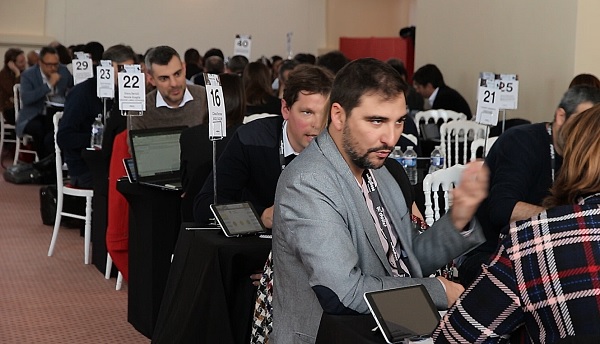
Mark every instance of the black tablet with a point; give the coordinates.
(406, 312)
(237, 219)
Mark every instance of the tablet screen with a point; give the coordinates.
(237, 218)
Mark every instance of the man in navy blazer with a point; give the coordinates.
(46, 81)
(429, 82)
(341, 225)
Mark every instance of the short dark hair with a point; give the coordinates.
(429, 74)
(309, 79)
(47, 50)
(362, 76)
(214, 52)
(398, 65)
(333, 60)
(192, 56)
(214, 65)
(285, 66)
(237, 63)
(95, 49)
(585, 79)
(579, 94)
(11, 55)
(119, 53)
(161, 56)
(305, 58)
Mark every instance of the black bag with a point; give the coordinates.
(48, 204)
(71, 204)
(22, 174)
(41, 172)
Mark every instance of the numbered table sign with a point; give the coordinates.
(487, 103)
(82, 67)
(242, 45)
(508, 85)
(132, 88)
(216, 107)
(105, 80)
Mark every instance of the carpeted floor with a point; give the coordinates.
(52, 299)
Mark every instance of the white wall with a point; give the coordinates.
(535, 39)
(179, 23)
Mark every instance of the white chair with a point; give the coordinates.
(479, 143)
(455, 136)
(62, 190)
(22, 141)
(6, 128)
(447, 178)
(436, 115)
(108, 270)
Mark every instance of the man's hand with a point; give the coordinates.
(267, 217)
(453, 290)
(13, 67)
(53, 79)
(467, 196)
(256, 278)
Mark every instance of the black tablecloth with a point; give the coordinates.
(154, 221)
(348, 329)
(97, 164)
(209, 297)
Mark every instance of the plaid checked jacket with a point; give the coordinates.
(542, 284)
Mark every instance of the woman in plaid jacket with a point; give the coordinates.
(543, 282)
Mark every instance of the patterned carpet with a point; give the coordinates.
(52, 299)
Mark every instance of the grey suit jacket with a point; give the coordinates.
(34, 91)
(327, 252)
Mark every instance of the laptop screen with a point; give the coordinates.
(156, 151)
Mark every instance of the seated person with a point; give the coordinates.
(172, 103)
(197, 149)
(250, 165)
(519, 182)
(541, 284)
(333, 238)
(14, 65)
(259, 95)
(81, 109)
(47, 81)
(429, 83)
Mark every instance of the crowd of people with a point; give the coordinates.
(307, 144)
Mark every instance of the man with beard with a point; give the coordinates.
(341, 225)
(172, 103)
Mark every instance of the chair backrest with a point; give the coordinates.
(436, 115)
(17, 100)
(447, 178)
(455, 138)
(479, 143)
(59, 162)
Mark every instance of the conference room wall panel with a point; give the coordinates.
(535, 39)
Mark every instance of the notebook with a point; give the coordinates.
(156, 156)
(403, 313)
(238, 219)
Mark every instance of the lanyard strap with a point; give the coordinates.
(552, 157)
(383, 221)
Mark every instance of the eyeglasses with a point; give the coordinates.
(50, 64)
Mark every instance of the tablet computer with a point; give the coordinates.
(130, 170)
(403, 313)
(237, 219)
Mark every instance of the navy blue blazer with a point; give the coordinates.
(34, 91)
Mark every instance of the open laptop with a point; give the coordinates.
(238, 219)
(156, 155)
(403, 313)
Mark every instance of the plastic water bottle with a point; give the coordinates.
(436, 161)
(97, 132)
(397, 155)
(410, 164)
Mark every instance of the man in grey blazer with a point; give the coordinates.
(341, 225)
(47, 81)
